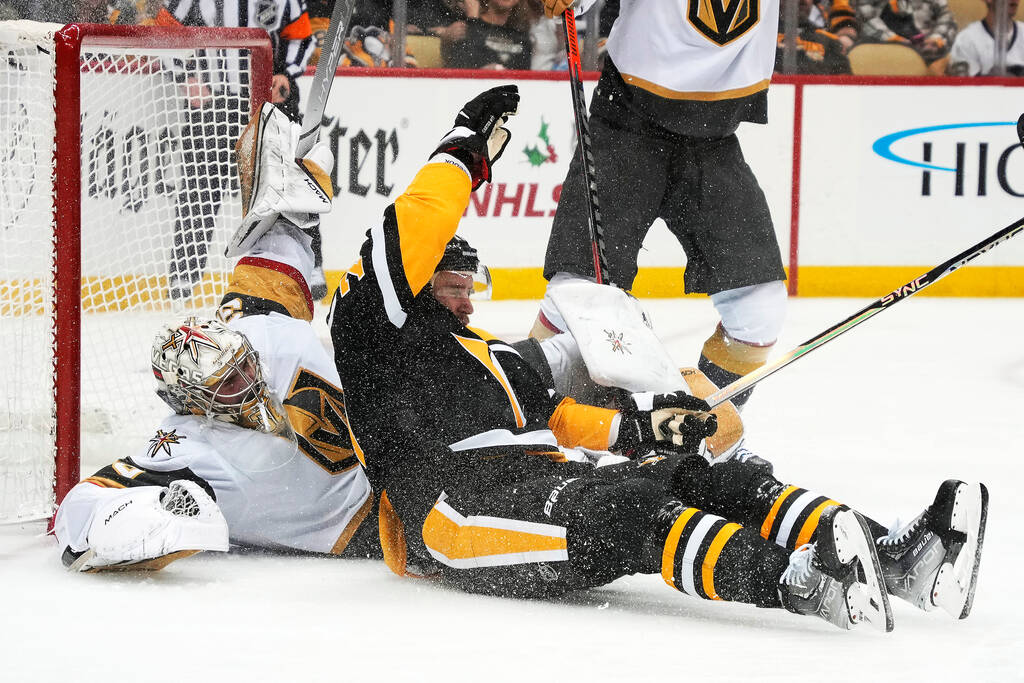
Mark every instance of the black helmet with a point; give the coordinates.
(459, 257)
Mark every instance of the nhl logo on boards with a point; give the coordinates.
(721, 21)
(619, 345)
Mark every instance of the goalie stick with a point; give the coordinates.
(323, 78)
(579, 110)
(891, 299)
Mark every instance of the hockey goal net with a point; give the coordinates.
(117, 197)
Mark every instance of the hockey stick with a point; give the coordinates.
(323, 78)
(892, 298)
(579, 110)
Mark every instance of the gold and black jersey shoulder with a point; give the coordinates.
(259, 286)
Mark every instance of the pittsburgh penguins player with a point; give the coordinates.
(486, 477)
(678, 80)
(255, 450)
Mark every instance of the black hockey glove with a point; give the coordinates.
(478, 138)
(677, 417)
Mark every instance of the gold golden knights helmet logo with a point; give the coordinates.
(723, 21)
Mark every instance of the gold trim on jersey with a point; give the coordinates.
(428, 213)
(669, 94)
(481, 351)
(104, 482)
(273, 285)
(485, 541)
(316, 412)
(575, 424)
(352, 526)
(392, 536)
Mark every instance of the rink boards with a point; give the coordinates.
(870, 182)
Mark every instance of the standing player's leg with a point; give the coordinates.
(719, 214)
(630, 172)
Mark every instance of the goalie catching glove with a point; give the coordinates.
(648, 418)
(478, 138)
(274, 183)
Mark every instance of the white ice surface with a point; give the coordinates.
(877, 418)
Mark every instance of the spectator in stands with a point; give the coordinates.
(817, 51)
(62, 11)
(925, 25)
(498, 39)
(974, 50)
(838, 18)
(445, 19)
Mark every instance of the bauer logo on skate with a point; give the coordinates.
(964, 157)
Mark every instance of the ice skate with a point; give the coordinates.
(933, 561)
(838, 577)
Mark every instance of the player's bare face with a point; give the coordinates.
(452, 290)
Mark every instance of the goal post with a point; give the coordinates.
(117, 195)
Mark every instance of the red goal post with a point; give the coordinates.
(117, 128)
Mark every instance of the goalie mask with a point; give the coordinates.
(460, 258)
(204, 368)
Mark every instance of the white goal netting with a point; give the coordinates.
(158, 199)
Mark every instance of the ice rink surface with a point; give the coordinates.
(930, 390)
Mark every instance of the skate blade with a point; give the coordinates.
(866, 600)
(958, 576)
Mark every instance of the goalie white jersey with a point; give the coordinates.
(308, 493)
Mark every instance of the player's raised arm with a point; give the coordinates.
(400, 254)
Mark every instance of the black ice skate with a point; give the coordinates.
(838, 577)
(933, 561)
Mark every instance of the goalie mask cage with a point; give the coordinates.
(116, 174)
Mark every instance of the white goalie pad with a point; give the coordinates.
(618, 347)
(147, 527)
(274, 183)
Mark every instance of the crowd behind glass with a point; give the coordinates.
(866, 37)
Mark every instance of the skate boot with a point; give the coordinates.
(933, 561)
(838, 577)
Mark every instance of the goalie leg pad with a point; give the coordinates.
(147, 527)
(275, 183)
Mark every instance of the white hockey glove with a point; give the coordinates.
(648, 418)
(478, 138)
(147, 527)
(275, 183)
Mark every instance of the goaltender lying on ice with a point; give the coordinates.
(484, 474)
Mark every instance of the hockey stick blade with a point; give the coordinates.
(892, 298)
(323, 78)
(583, 145)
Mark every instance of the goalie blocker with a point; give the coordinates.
(274, 183)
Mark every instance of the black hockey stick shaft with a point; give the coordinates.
(323, 78)
(891, 299)
(583, 146)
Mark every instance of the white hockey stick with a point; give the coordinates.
(899, 294)
(323, 78)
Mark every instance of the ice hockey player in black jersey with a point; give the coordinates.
(493, 483)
